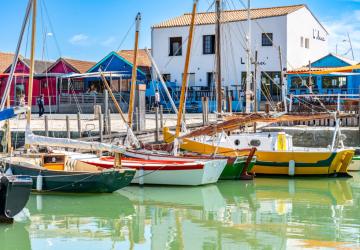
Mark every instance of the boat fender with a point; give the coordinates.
(39, 182)
(291, 168)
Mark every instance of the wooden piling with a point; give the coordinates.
(109, 122)
(161, 117)
(46, 120)
(156, 124)
(79, 124)
(68, 133)
(101, 128)
(203, 109)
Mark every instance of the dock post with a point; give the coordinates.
(161, 116)
(106, 108)
(229, 104)
(137, 119)
(109, 122)
(79, 124)
(68, 134)
(203, 110)
(156, 124)
(206, 110)
(101, 127)
(46, 120)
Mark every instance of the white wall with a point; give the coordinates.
(286, 34)
(302, 23)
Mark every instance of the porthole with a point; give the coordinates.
(255, 143)
(237, 142)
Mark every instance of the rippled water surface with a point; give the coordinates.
(277, 213)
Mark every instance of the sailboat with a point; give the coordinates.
(236, 166)
(275, 153)
(52, 171)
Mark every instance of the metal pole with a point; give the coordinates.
(255, 83)
(282, 81)
(16, 56)
(161, 116)
(156, 124)
(186, 69)
(134, 71)
(248, 62)
(109, 122)
(218, 56)
(101, 128)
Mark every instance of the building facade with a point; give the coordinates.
(294, 29)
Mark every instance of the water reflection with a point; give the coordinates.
(263, 214)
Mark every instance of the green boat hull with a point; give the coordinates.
(75, 182)
(234, 168)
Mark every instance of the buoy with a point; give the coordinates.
(39, 182)
(292, 168)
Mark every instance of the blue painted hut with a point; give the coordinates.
(335, 83)
(120, 64)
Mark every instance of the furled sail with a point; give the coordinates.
(234, 122)
(32, 139)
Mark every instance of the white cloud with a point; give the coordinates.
(338, 29)
(109, 42)
(79, 39)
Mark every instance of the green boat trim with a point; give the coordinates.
(322, 163)
(234, 168)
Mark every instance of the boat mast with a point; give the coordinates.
(32, 65)
(134, 71)
(186, 69)
(16, 57)
(248, 62)
(218, 57)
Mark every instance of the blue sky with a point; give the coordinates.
(89, 29)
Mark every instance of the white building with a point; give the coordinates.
(294, 29)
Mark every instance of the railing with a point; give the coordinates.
(91, 98)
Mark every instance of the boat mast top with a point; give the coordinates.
(186, 70)
(248, 61)
(134, 71)
(218, 56)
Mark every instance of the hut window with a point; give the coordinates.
(307, 43)
(175, 46)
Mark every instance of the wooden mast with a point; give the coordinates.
(134, 71)
(186, 69)
(32, 65)
(218, 57)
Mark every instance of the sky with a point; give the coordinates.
(89, 29)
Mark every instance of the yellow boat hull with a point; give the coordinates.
(277, 162)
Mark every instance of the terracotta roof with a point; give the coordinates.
(79, 65)
(5, 61)
(229, 16)
(144, 62)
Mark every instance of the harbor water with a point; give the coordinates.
(267, 213)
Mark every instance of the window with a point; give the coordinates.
(175, 46)
(270, 85)
(208, 44)
(307, 43)
(78, 85)
(166, 77)
(298, 82)
(267, 39)
(302, 42)
(329, 82)
(210, 79)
